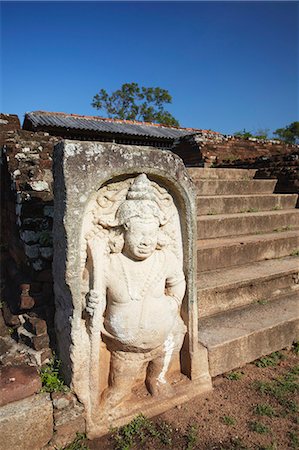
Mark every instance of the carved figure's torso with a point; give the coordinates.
(138, 311)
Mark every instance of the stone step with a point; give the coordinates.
(227, 252)
(232, 204)
(234, 187)
(225, 289)
(238, 337)
(197, 173)
(246, 223)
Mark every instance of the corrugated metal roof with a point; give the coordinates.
(40, 120)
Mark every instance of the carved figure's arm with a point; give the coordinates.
(175, 281)
(97, 295)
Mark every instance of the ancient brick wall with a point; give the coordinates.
(272, 158)
(26, 234)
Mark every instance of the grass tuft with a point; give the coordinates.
(270, 360)
(77, 444)
(51, 377)
(234, 376)
(264, 409)
(259, 427)
(228, 420)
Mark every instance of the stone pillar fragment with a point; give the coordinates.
(124, 274)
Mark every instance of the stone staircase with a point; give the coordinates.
(248, 267)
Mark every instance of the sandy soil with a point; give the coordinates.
(237, 414)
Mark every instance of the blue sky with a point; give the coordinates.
(227, 65)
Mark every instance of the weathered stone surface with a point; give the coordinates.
(224, 289)
(39, 342)
(26, 424)
(210, 226)
(3, 326)
(219, 253)
(18, 382)
(104, 193)
(35, 325)
(242, 335)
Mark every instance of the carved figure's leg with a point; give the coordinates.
(123, 373)
(156, 379)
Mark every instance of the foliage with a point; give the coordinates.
(234, 376)
(228, 420)
(270, 360)
(139, 430)
(191, 437)
(133, 102)
(294, 439)
(289, 134)
(78, 443)
(264, 409)
(260, 134)
(52, 380)
(282, 388)
(296, 346)
(258, 427)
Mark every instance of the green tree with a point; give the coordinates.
(243, 134)
(133, 102)
(262, 133)
(290, 133)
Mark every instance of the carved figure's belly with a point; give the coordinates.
(144, 324)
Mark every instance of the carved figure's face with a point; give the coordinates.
(141, 238)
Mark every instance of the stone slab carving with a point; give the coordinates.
(124, 273)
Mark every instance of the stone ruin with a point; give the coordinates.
(124, 278)
(27, 251)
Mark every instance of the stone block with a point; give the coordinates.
(35, 325)
(18, 382)
(26, 424)
(130, 210)
(12, 320)
(3, 326)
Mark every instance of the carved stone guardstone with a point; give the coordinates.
(124, 278)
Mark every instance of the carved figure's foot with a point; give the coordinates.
(156, 388)
(112, 398)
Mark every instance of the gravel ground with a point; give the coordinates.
(250, 408)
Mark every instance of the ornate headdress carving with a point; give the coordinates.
(140, 202)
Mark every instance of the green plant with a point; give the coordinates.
(234, 376)
(258, 427)
(281, 229)
(191, 437)
(139, 430)
(52, 380)
(228, 420)
(272, 446)
(77, 444)
(252, 210)
(46, 238)
(264, 409)
(295, 253)
(262, 301)
(296, 347)
(276, 208)
(270, 360)
(281, 388)
(294, 439)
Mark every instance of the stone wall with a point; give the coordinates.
(272, 158)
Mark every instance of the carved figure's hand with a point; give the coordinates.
(92, 302)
